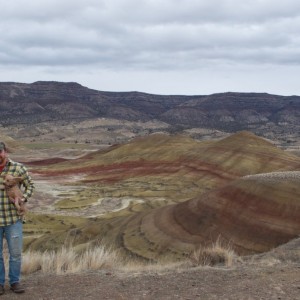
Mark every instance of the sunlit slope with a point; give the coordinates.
(245, 153)
(240, 154)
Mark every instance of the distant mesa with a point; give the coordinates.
(271, 116)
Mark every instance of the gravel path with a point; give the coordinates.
(243, 282)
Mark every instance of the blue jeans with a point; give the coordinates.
(14, 237)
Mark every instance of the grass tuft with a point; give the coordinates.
(215, 254)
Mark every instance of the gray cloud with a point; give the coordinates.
(148, 35)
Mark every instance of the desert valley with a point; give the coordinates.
(158, 178)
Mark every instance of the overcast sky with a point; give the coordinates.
(191, 47)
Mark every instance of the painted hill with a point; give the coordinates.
(240, 154)
(251, 214)
(187, 193)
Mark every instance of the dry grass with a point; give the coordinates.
(66, 260)
(212, 255)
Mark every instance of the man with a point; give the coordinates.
(11, 224)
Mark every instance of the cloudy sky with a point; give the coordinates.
(156, 46)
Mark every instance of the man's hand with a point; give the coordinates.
(20, 200)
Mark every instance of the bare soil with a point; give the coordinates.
(281, 281)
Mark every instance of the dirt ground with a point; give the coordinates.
(244, 282)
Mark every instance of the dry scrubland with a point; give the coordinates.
(164, 207)
(66, 260)
(272, 275)
(159, 197)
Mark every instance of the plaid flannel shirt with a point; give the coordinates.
(8, 212)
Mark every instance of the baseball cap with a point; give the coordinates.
(2, 146)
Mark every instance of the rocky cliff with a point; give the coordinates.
(264, 114)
